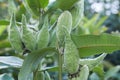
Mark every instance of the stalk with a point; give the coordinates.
(60, 65)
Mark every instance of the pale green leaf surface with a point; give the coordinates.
(51, 69)
(11, 61)
(32, 61)
(112, 72)
(96, 44)
(5, 77)
(94, 76)
(3, 66)
(47, 76)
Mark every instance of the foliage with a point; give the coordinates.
(50, 38)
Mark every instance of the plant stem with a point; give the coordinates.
(60, 65)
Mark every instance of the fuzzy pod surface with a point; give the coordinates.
(43, 35)
(28, 38)
(71, 56)
(14, 35)
(91, 63)
(65, 19)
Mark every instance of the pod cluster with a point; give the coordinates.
(24, 39)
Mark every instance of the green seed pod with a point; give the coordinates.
(91, 63)
(71, 55)
(43, 35)
(77, 13)
(14, 36)
(65, 19)
(53, 40)
(28, 37)
(84, 73)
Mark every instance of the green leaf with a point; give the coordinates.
(11, 61)
(2, 29)
(65, 5)
(39, 75)
(3, 66)
(101, 21)
(5, 77)
(32, 6)
(47, 76)
(94, 76)
(32, 61)
(4, 22)
(92, 20)
(21, 10)
(96, 44)
(6, 44)
(43, 3)
(112, 72)
(51, 69)
(99, 70)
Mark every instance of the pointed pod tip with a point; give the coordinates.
(23, 19)
(13, 20)
(66, 13)
(103, 55)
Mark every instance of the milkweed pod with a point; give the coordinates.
(43, 35)
(28, 37)
(77, 13)
(71, 55)
(65, 19)
(84, 73)
(14, 35)
(91, 63)
(53, 40)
